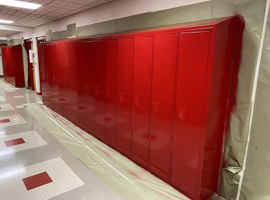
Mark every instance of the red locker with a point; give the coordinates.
(89, 86)
(18, 66)
(81, 65)
(99, 71)
(51, 52)
(60, 78)
(111, 90)
(159, 96)
(189, 106)
(164, 66)
(73, 67)
(126, 56)
(13, 65)
(143, 62)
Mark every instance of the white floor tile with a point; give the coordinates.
(14, 120)
(6, 107)
(2, 98)
(63, 180)
(31, 138)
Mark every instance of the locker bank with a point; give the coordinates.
(121, 99)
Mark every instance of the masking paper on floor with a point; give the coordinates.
(236, 150)
(126, 178)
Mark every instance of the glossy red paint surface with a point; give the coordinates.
(89, 86)
(143, 66)
(164, 66)
(159, 97)
(111, 90)
(192, 71)
(99, 82)
(125, 94)
(13, 65)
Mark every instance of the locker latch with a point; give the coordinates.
(181, 114)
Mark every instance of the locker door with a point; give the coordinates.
(46, 75)
(60, 64)
(81, 65)
(125, 50)
(73, 66)
(189, 109)
(89, 87)
(99, 71)
(164, 66)
(53, 87)
(143, 65)
(111, 91)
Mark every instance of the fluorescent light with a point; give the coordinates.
(20, 4)
(6, 21)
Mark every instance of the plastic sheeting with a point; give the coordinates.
(7, 86)
(125, 177)
(256, 182)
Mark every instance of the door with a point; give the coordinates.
(111, 90)
(143, 65)
(89, 86)
(99, 71)
(28, 44)
(164, 66)
(191, 79)
(40, 40)
(125, 100)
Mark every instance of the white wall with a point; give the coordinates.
(113, 10)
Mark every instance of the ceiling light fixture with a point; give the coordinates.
(20, 4)
(6, 21)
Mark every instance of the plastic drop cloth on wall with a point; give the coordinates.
(122, 175)
(253, 11)
(256, 182)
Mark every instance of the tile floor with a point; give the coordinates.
(33, 164)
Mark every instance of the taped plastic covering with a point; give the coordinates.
(125, 177)
(7, 86)
(256, 182)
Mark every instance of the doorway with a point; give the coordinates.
(40, 40)
(28, 44)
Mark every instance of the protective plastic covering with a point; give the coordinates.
(7, 86)
(125, 177)
(239, 134)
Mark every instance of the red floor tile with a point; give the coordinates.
(4, 121)
(14, 142)
(37, 180)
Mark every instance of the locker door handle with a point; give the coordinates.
(156, 106)
(97, 90)
(107, 93)
(121, 97)
(181, 114)
(137, 102)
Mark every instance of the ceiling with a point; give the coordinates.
(49, 11)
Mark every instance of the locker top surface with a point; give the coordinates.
(188, 26)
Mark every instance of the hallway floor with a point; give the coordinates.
(33, 164)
